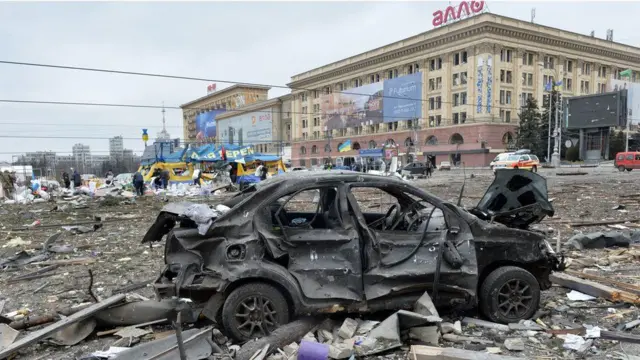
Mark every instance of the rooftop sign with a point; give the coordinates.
(452, 14)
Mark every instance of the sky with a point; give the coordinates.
(255, 42)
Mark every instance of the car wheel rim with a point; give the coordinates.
(514, 298)
(256, 316)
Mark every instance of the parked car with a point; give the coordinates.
(500, 158)
(521, 159)
(414, 168)
(627, 161)
(310, 242)
(445, 165)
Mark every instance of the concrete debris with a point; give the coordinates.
(291, 349)
(485, 324)
(340, 350)
(425, 306)
(426, 334)
(514, 344)
(348, 328)
(7, 335)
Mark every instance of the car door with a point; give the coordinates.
(399, 260)
(322, 243)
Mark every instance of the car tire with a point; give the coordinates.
(509, 286)
(629, 169)
(534, 169)
(242, 300)
(515, 168)
(621, 168)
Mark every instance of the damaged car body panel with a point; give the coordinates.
(516, 198)
(334, 241)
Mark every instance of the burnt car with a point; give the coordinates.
(313, 242)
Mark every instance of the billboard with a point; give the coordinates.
(633, 97)
(352, 108)
(246, 129)
(402, 98)
(596, 111)
(206, 124)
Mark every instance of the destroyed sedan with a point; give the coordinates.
(324, 242)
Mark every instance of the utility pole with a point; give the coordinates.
(549, 132)
(557, 133)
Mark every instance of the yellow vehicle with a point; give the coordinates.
(521, 159)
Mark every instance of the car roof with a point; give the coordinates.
(327, 175)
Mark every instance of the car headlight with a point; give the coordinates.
(549, 247)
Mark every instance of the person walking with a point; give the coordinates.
(165, 176)
(109, 177)
(77, 179)
(65, 180)
(138, 183)
(196, 176)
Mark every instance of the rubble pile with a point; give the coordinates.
(76, 285)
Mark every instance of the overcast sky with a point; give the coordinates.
(258, 42)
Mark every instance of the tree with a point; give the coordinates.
(617, 144)
(529, 134)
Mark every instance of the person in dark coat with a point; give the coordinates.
(66, 180)
(77, 180)
(138, 183)
(165, 176)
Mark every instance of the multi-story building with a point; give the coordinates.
(454, 91)
(265, 125)
(199, 116)
(46, 158)
(116, 146)
(82, 157)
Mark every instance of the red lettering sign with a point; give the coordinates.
(465, 9)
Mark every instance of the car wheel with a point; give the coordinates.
(621, 168)
(534, 169)
(629, 169)
(254, 310)
(515, 168)
(509, 294)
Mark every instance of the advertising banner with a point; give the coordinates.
(403, 98)
(633, 97)
(354, 108)
(206, 124)
(210, 152)
(246, 129)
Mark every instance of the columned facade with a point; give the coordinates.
(476, 74)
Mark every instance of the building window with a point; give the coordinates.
(602, 71)
(438, 120)
(527, 79)
(602, 88)
(431, 140)
(549, 62)
(314, 149)
(527, 59)
(524, 97)
(460, 99)
(505, 55)
(303, 150)
(505, 116)
(506, 76)
(303, 96)
(377, 77)
(341, 86)
(435, 84)
(584, 87)
(413, 68)
(568, 65)
(435, 103)
(463, 117)
(460, 78)
(456, 118)
(304, 123)
(459, 58)
(435, 64)
(568, 84)
(356, 82)
(304, 109)
(547, 79)
(372, 144)
(505, 97)
(303, 162)
(586, 69)
(316, 94)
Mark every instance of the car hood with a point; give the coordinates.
(516, 198)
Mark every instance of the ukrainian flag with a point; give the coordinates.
(346, 146)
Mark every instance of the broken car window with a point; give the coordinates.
(384, 211)
(313, 208)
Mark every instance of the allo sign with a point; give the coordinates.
(451, 14)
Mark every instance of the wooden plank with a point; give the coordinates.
(421, 352)
(620, 336)
(586, 286)
(77, 261)
(43, 333)
(603, 280)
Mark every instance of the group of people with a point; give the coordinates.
(77, 179)
(8, 181)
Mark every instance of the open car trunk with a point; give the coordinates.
(516, 198)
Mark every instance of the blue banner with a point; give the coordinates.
(371, 152)
(402, 98)
(206, 124)
(210, 152)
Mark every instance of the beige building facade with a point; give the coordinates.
(243, 120)
(227, 99)
(476, 74)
